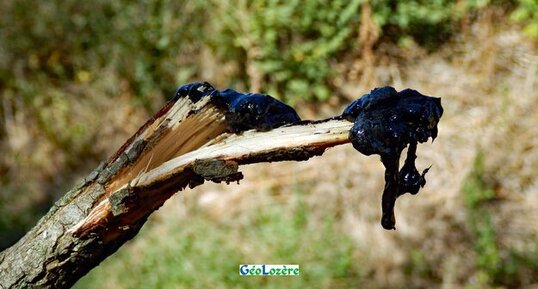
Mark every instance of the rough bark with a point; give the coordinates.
(183, 145)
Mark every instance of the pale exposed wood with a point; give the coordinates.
(251, 146)
(243, 147)
(176, 137)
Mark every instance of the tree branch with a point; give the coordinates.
(183, 145)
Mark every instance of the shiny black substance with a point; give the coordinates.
(243, 111)
(194, 91)
(410, 179)
(385, 122)
(256, 111)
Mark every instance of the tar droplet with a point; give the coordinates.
(194, 91)
(385, 122)
(256, 111)
(410, 179)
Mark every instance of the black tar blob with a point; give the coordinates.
(385, 122)
(194, 91)
(243, 111)
(256, 111)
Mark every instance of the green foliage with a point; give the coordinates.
(478, 192)
(527, 13)
(16, 216)
(495, 265)
(428, 23)
(290, 43)
(418, 264)
(72, 42)
(476, 188)
(285, 48)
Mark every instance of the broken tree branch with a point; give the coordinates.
(183, 145)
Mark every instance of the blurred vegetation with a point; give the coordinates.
(496, 266)
(64, 64)
(527, 12)
(287, 47)
(288, 44)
